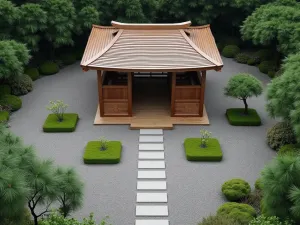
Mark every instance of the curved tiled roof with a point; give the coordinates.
(151, 47)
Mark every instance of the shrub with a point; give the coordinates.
(266, 66)
(236, 189)
(289, 149)
(58, 108)
(280, 134)
(254, 199)
(21, 85)
(11, 101)
(68, 58)
(242, 58)
(33, 73)
(271, 74)
(4, 116)
(264, 54)
(271, 220)
(204, 138)
(242, 213)
(103, 144)
(230, 51)
(5, 89)
(258, 184)
(48, 68)
(253, 60)
(218, 220)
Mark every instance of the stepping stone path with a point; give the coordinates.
(152, 197)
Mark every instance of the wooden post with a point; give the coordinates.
(173, 94)
(129, 85)
(202, 92)
(100, 91)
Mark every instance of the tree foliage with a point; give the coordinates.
(277, 22)
(9, 14)
(281, 187)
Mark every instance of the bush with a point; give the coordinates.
(48, 68)
(10, 100)
(254, 199)
(272, 74)
(242, 213)
(236, 117)
(289, 149)
(68, 124)
(271, 220)
(4, 116)
(266, 66)
(281, 134)
(236, 189)
(230, 51)
(258, 184)
(242, 58)
(5, 89)
(33, 73)
(21, 85)
(218, 220)
(68, 58)
(264, 54)
(253, 60)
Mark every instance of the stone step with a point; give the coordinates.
(151, 164)
(151, 197)
(153, 210)
(152, 222)
(151, 147)
(151, 131)
(151, 185)
(151, 139)
(151, 155)
(156, 174)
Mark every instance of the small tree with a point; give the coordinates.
(103, 144)
(204, 137)
(243, 86)
(58, 107)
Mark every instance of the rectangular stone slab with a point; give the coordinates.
(154, 210)
(152, 197)
(151, 147)
(154, 174)
(151, 164)
(151, 131)
(151, 155)
(152, 222)
(151, 185)
(151, 139)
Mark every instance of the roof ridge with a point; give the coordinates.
(194, 46)
(105, 49)
(151, 26)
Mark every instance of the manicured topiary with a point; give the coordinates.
(280, 134)
(10, 100)
(218, 220)
(253, 60)
(264, 54)
(289, 149)
(48, 68)
(242, 58)
(5, 89)
(33, 73)
(95, 154)
(258, 184)
(236, 189)
(242, 213)
(230, 51)
(68, 124)
(271, 74)
(266, 66)
(68, 58)
(4, 116)
(21, 85)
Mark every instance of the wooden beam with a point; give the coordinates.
(129, 84)
(202, 92)
(173, 93)
(149, 26)
(100, 91)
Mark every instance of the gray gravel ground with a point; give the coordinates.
(193, 188)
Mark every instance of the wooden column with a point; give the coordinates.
(173, 94)
(129, 85)
(202, 92)
(100, 91)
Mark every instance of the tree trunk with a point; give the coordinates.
(35, 220)
(246, 106)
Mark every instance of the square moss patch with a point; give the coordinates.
(67, 125)
(93, 154)
(236, 117)
(194, 152)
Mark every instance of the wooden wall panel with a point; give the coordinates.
(187, 92)
(115, 92)
(115, 108)
(186, 108)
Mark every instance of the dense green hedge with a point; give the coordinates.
(68, 58)
(33, 73)
(230, 51)
(242, 58)
(13, 101)
(266, 66)
(21, 85)
(280, 134)
(48, 68)
(5, 89)
(236, 189)
(289, 149)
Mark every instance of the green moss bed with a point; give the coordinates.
(236, 117)
(194, 152)
(93, 154)
(67, 125)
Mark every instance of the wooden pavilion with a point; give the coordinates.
(179, 52)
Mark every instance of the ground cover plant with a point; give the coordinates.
(243, 86)
(236, 189)
(102, 152)
(271, 220)
(204, 148)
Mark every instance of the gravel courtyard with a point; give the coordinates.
(193, 188)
